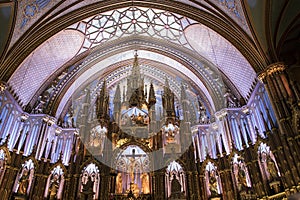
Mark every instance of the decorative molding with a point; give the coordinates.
(271, 69)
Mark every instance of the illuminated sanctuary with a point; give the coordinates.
(149, 100)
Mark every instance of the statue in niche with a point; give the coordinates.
(88, 189)
(272, 170)
(146, 119)
(175, 187)
(23, 182)
(139, 119)
(134, 99)
(145, 183)
(213, 185)
(54, 186)
(69, 119)
(39, 108)
(242, 180)
(203, 118)
(119, 184)
(230, 100)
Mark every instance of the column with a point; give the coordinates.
(283, 101)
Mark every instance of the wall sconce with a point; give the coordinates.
(51, 121)
(58, 131)
(46, 118)
(24, 117)
(76, 132)
(245, 110)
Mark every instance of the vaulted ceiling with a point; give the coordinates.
(209, 44)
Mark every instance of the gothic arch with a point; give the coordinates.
(145, 148)
(55, 181)
(173, 175)
(25, 177)
(209, 20)
(120, 149)
(212, 178)
(87, 177)
(183, 56)
(180, 161)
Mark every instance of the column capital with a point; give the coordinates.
(271, 69)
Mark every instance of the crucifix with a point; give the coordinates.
(132, 163)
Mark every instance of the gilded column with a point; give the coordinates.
(282, 96)
(104, 187)
(39, 186)
(197, 186)
(153, 184)
(160, 183)
(225, 175)
(203, 187)
(190, 185)
(8, 182)
(198, 180)
(280, 93)
(251, 159)
(10, 174)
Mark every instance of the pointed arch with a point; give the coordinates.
(175, 178)
(25, 178)
(212, 180)
(90, 179)
(55, 182)
(267, 163)
(133, 167)
(240, 173)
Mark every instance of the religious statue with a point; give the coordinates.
(134, 189)
(213, 186)
(69, 119)
(145, 183)
(175, 186)
(203, 118)
(230, 100)
(131, 168)
(40, 105)
(88, 189)
(23, 182)
(272, 169)
(119, 184)
(139, 119)
(54, 186)
(146, 119)
(242, 180)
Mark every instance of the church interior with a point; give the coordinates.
(149, 99)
